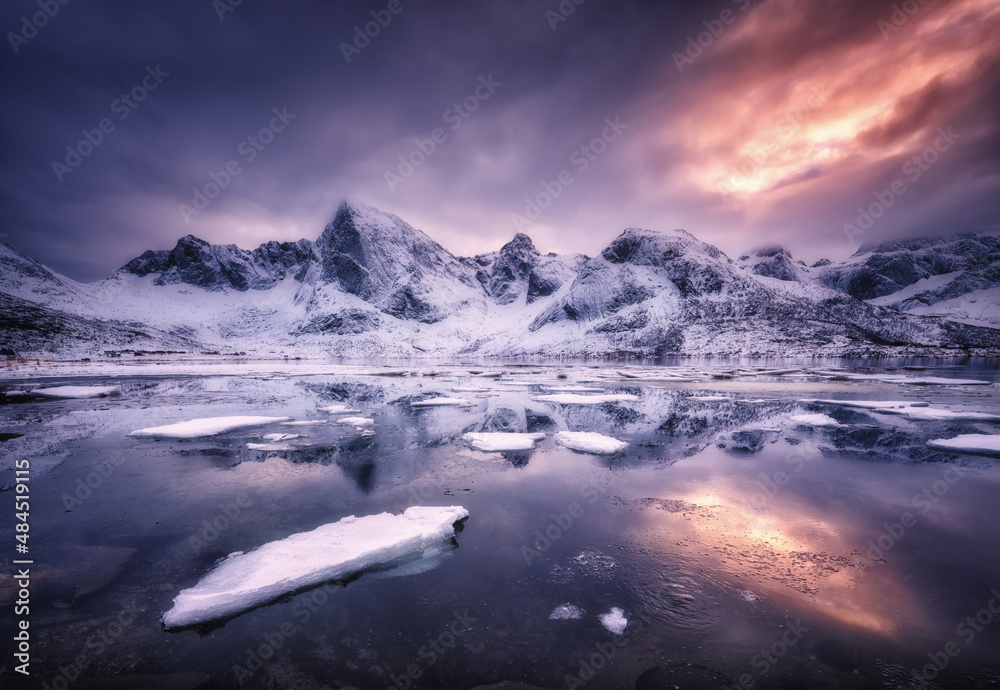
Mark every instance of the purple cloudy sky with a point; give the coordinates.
(788, 117)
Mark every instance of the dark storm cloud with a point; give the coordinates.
(558, 77)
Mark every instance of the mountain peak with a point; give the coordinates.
(362, 247)
(772, 262)
(387, 262)
(521, 242)
(654, 247)
(189, 240)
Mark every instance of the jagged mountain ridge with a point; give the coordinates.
(957, 277)
(196, 262)
(372, 285)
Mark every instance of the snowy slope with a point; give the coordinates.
(21, 276)
(930, 276)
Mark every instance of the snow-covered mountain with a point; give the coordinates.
(372, 285)
(955, 277)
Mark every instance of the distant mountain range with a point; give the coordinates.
(372, 285)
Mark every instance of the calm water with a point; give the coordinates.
(743, 548)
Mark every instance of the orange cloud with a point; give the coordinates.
(780, 102)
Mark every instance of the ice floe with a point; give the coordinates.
(899, 378)
(76, 391)
(280, 437)
(208, 426)
(590, 442)
(497, 442)
(709, 398)
(362, 422)
(339, 409)
(977, 444)
(933, 414)
(335, 550)
(566, 612)
(614, 620)
(777, 372)
(574, 389)
(867, 404)
(821, 421)
(441, 402)
(272, 447)
(578, 399)
(940, 381)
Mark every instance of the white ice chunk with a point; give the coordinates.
(496, 442)
(661, 378)
(933, 414)
(566, 612)
(574, 389)
(821, 421)
(590, 442)
(614, 620)
(899, 378)
(868, 404)
(577, 399)
(338, 409)
(209, 426)
(978, 444)
(363, 422)
(272, 447)
(709, 398)
(280, 437)
(335, 550)
(440, 402)
(941, 381)
(76, 391)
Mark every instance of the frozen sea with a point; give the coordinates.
(739, 539)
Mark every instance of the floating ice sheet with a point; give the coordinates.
(280, 437)
(614, 620)
(208, 426)
(335, 550)
(362, 422)
(575, 389)
(977, 444)
(941, 381)
(933, 414)
(497, 442)
(441, 402)
(76, 391)
(339, 409)
(590, 442)
(578, 399)
(566, 612)
(868, 404)
(821, 421)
